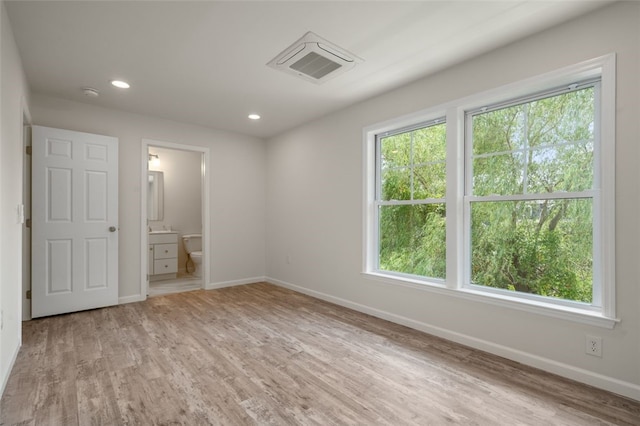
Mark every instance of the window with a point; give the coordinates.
(410, 201)
(530, 188)
(505, 197)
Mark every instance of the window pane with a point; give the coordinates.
(542, 247)
(559, 119)
(412, 239)
(498, 131)
(396, 184)
(413, 164)
(498, 174)
(541, 146)
(429, 181)
(396, 150)
(563, 168)
(430, 144)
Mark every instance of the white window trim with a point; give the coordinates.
(454, 113)
(590, 194)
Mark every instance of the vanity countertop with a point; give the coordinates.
(163, 237)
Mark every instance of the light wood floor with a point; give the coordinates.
(259, 354)
(179, 284)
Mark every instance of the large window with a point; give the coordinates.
(506, 197)
(410, 200)
(530, 194)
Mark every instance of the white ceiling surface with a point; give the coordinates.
(204, 62)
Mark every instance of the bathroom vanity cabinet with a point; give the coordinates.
(163, 255)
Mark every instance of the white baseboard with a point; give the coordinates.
(131, 299)
(630, 390)
(210, 286)
(7, 372)
(223, 284)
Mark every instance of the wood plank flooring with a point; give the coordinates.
(260, 354)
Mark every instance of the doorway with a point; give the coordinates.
(175, 218)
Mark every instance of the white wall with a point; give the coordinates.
(236, 179)
(182, 174)
(315, 214)
(14, 101)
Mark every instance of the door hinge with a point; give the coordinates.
(28, 148)
(28, 294)
(27, 223)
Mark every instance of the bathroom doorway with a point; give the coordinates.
(175, 218)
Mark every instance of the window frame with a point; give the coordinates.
(592, 194)
(457, 283)
(379, 202)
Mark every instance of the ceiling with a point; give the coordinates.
(204, 62)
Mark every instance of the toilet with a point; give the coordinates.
(193, 247)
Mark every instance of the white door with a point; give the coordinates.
(74, 221)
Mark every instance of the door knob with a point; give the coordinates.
(112, 229)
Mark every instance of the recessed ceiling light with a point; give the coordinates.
(120, 84)
(254, 116)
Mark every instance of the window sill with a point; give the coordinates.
(567, 313)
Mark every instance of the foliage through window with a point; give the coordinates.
(411, 207)
(530, 177)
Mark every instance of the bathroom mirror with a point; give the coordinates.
(155, 196)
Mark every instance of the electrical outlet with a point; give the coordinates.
(288, 259)
(593, 346)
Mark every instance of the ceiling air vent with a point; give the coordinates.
(314, 59)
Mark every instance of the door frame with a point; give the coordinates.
(26, 202)
(206, 218)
